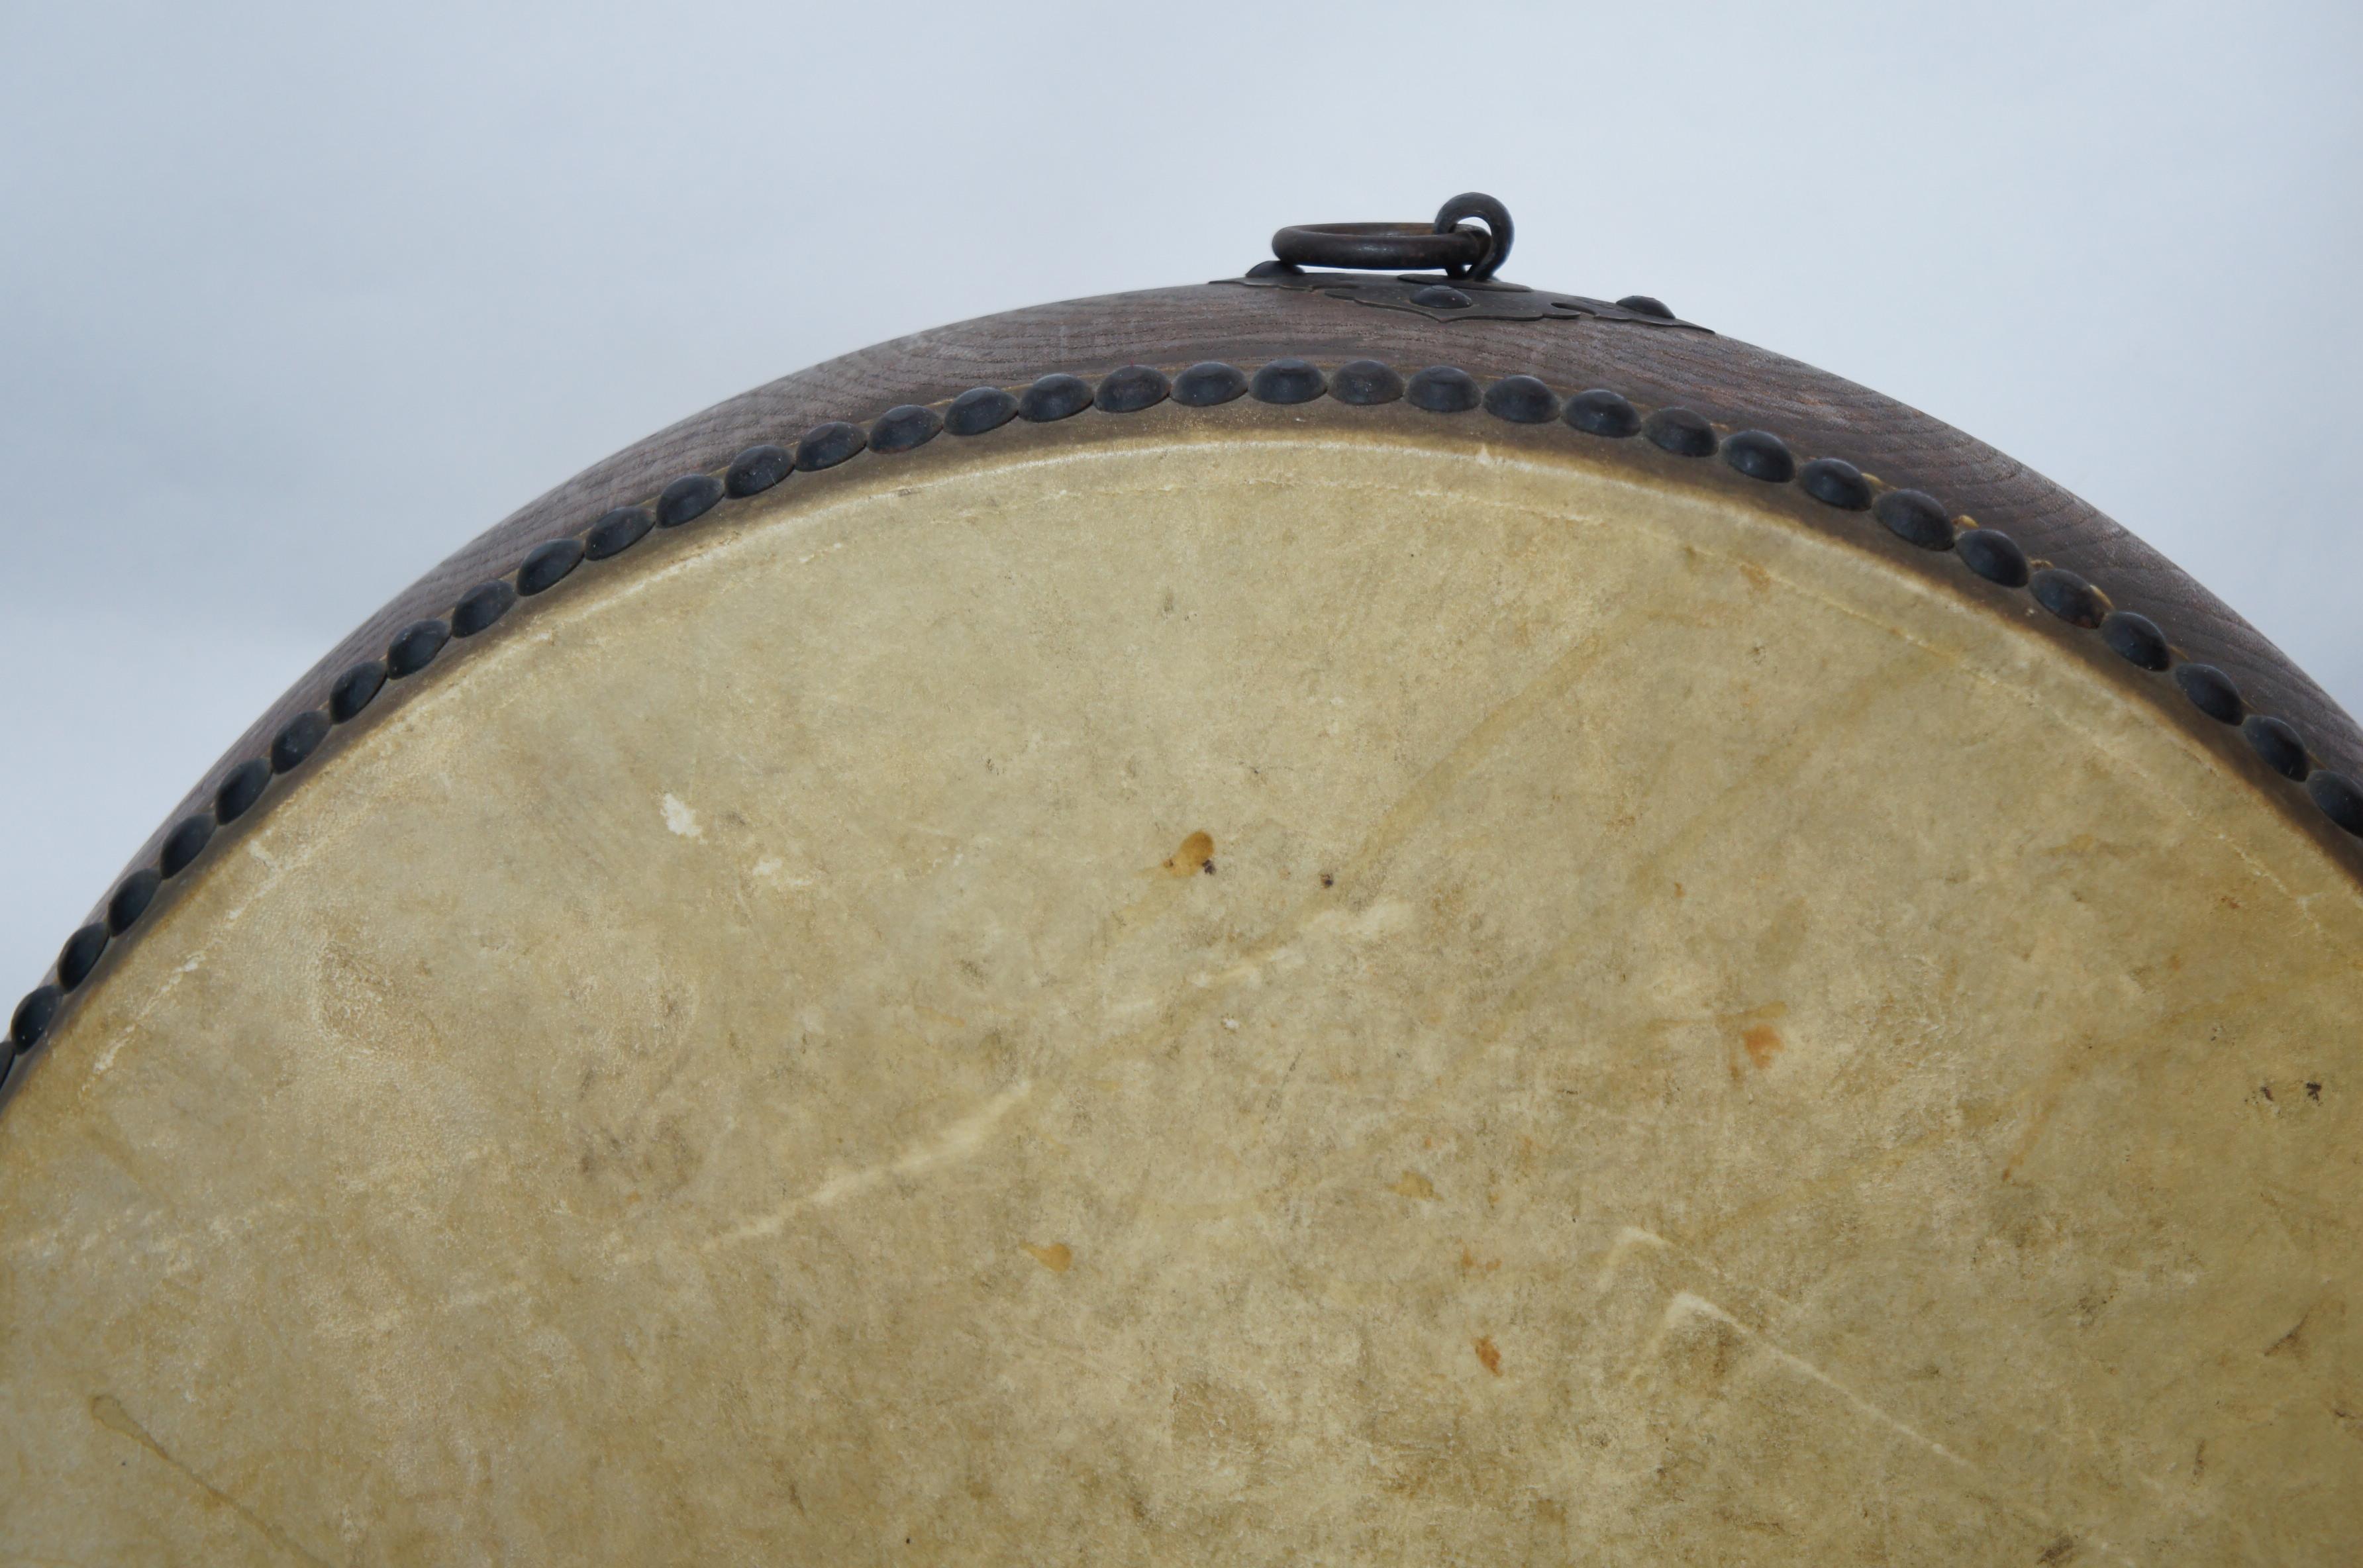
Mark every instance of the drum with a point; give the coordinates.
(1329, 917)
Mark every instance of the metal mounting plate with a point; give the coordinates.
(1453, 299)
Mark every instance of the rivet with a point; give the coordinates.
(2135, 639)
(1287, 382)
(2340, 797)
(978, 409)
(1365, 383)
(617, 532)
(1834, 481)
(2070, 597)
(757, 469)
(183, 845)
(1760, 455)
(1521, 400)
(1055, 396)
(132, 897)
(481, 606)
(1915, 517)
(2278, 744)
(1131, 389)
(1643, 304)
(1210, 382)
(33, 1017)
(1680, 432)
(1436, 296)
(904, 428)
(688, 498)
(1992, 555)
(826, 446)
(548, 565)
(416, 646)
(2210, 691)
(1602, 413)
(297, 739)
(80, 956)
(354, 690)
(1442, 388)
(241, 790)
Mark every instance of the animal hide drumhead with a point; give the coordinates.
(1249, 984)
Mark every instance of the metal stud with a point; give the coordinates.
(2340, 797)
(132, 897)
(297, 739)
(1914, 517)
(1994, 556)
(33, 1017)
(2210, 691)
(1436, 296)
(757, 469)
(1055, 396)
(978, 409)
(1365, 383)
(241, 790)
(481, 606)
(1602, 413)
(826, 446)
(690, 497)
(1834, 481)
(549, 565)
(80, 956)
(1680, 432)
(355, 689)
(1205, 384)
(1644, 304)
(1442, 388)
(2070, 597)
(1522, 399)
(1131, 389)
(416, 647)
(617, 532)
(904, 427)
(1760, 455)
(1287, 382)
(2278, 742)
(183, 845)
(2135, 639)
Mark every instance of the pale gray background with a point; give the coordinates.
(295, 299)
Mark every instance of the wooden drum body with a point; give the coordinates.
(1255, 979)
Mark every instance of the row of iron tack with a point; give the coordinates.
(1910, 514)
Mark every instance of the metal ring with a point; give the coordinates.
(1380, 246)
(1456, 248)
(1496, 219)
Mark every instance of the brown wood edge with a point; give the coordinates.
(1092, 423)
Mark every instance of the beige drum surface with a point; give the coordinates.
(1228, 996)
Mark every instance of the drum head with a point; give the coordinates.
(1246, 984)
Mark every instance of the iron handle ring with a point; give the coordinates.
(1459, 249)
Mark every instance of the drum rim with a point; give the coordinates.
(361, 684)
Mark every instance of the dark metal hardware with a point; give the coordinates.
(1459, 249)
